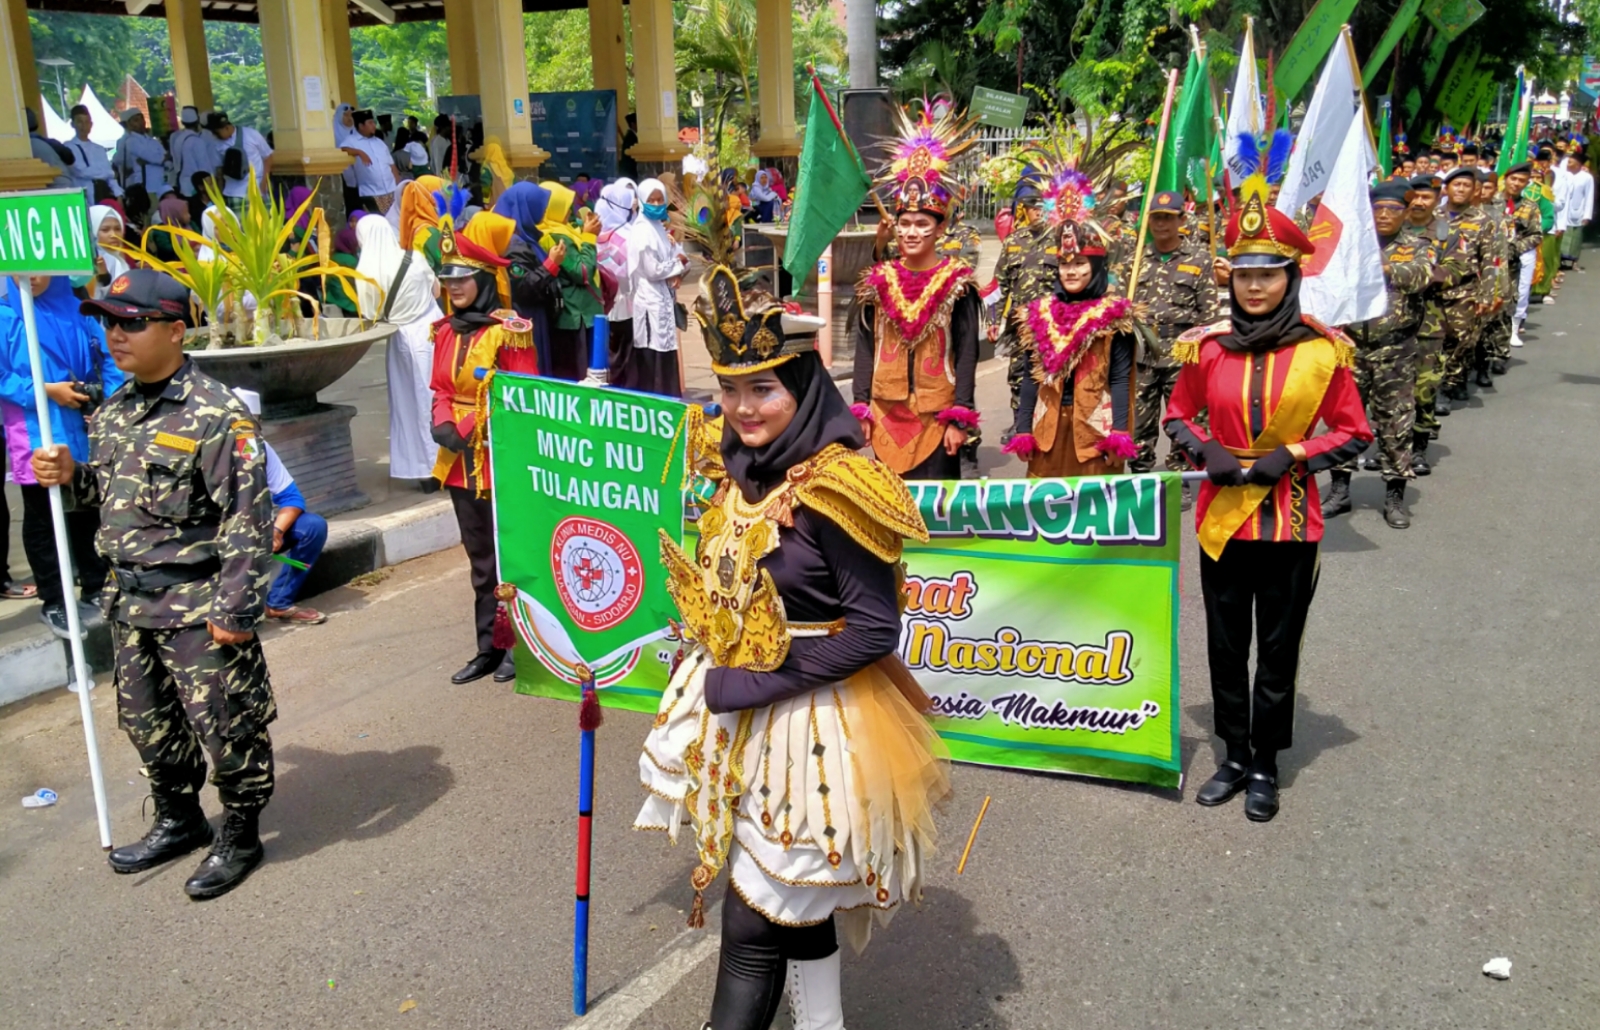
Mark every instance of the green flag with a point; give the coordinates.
(1192, 134)
(1310, 45)
(1385, 141)
(832, 184)
(1171, 175)
(1513, 153)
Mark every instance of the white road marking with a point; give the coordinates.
(620, 1009)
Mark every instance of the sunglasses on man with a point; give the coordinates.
(131, 326)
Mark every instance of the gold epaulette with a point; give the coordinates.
(516, 331)
(1186, 348)
(705, 449)
(864, 498)
(1344, 350)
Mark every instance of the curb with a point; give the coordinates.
(355, 547)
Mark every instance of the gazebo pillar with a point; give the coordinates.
(191, 67)
(780, 138)
(610, 56)
(336, 43)
(298, 90)
(19, 170)
(655, 88)
(503, 81)
(462, 41)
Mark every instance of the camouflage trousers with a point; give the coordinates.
(181, 696)
(1461, 331)
(1495, 342)
(1018, 365)
(1155, 389)
(1430, 362)
(1386, 375)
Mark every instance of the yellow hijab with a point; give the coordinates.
(417, 208)
(493, 232)
(554, 226)
(492, 155)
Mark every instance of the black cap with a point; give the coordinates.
(1469, 149)
(1522, 167)
(1484, 174)
(217, 120)
(1166, 202)
(1425, 182)
(1395, 191)
(142, 293)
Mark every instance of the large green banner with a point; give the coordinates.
(45, 232)
(1041, 616)
(583, 480)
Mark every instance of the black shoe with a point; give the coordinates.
(508, 669)
(1419, 454)
(1228, 780)
(55, 616)
(1186, 497)
(1394, 505)
(1484, 379)
(1497, 367)
(1337, 501)
(1261, 798)
(237, 851)
(482, 664)
(1368, 463)
(179, 828)
(1442, 405)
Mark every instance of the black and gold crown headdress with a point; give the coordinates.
(744, 332)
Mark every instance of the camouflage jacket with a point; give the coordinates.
(1179, 293)
(1407, 272)
(1500, 229)
(1527, 225)
(181, 480)
(1469, 239)
(1431, 237)
(961, 240)
(1021, 272)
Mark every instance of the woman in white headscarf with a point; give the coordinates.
(344, 130)
(657, 263)
(618, 208)
(404, 292)
(107, 227)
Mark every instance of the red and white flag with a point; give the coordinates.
(1344, 277)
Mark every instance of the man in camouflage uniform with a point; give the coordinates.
(178, 472)
(1469, 290)
(1523, 227)
(1177, 288)
(1505, 284)
(1386, 356)
(1428, 230)
(1023, 276)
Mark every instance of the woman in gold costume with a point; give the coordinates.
(791, 738)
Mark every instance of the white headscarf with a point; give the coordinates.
(341, 131)
(381, 257)
(617, 206)
(646, 234)
(115, 263)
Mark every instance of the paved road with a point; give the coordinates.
(1439, 811)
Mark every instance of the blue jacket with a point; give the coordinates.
(72, 348)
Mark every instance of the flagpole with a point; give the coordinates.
(1155, 170)
(588, 722)
(58, 519)
(1355, 70)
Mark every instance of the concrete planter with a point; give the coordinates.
(311, 438)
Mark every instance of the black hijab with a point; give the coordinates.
(821, 417)
(466, 321)
(1098, 283)
(1257, 334)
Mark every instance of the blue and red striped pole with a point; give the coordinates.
(588, 722)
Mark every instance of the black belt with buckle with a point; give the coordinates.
(150, 579)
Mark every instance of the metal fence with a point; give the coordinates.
(980, 202)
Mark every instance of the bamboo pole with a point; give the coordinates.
(1150, 188)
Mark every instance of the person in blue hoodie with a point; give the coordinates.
(79, 374)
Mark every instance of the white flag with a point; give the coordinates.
(1344, 277)
(1245, 113)
(1334, 105)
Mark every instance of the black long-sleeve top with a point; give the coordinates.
(535, 295)
(963, 350)
(821, 574)
(1122, 351)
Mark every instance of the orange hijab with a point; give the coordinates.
(417, 208)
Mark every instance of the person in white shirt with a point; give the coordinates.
(374, 167)
(176, 142)
(48, 151)
(257, 156)
(1579, 207)
(141, 165)
(91, 168)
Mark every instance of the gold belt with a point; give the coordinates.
(817, 629)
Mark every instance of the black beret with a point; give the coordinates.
(1395, 191)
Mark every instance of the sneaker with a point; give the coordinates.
(1548, 300)
(55, 616)
(297, 615)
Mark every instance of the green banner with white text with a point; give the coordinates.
(1041, 616)
(45, 232)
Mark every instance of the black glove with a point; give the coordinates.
(1270, 469)
(1223, 468)
(445, 435)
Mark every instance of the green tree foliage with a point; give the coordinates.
(100, 47)
(557, 45)
(394, 63)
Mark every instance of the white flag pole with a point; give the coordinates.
(58, 518)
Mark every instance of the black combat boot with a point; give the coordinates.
(1337, 501)
(1484, 380)
(1498, 367)
(1394, 505)
(180, 827)
(237, 851)
(1441, 404)
(1419, 453)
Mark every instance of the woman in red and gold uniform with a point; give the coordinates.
(480, 335)
(1267, 377)
(916, 334)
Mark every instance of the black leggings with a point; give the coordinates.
(754, 963)
(39, 544)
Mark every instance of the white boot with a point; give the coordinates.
(1516, 334)
(814, 994)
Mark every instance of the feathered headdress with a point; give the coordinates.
(1073, 170)
(1256, 228)
(920, 153)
